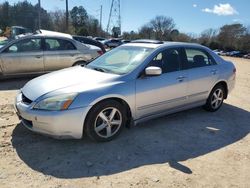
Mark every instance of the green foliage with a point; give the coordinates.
(23, 14)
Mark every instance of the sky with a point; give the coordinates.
(190, 16)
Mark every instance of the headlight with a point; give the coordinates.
(57, 103)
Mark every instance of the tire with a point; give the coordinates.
(215, 99)
(105, 121)
(79, 63)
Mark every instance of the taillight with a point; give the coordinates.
(100, 52)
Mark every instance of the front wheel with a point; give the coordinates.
(105, 121)
(215, 99)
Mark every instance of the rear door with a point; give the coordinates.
(58, 53)
(202, 73)
(25, 56)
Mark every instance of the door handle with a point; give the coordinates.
(214, 71)
(38, 56)
(181, 78)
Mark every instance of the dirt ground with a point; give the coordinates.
(188, 149)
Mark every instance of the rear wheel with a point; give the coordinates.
(105, 121)
(79, 63)
(215, 99)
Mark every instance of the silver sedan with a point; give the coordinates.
(130, 84)
(40, 53)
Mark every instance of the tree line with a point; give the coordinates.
(228, 37)
(25, 14)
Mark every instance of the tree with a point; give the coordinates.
(229, 36)
(162, 27)
(208, 36)
(146, 32)
(58, 20)
(23, 14)
(4, 15)
(181, 37)
(93, 26)
(79, 18)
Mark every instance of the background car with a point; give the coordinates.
(130, 84)
(112, 43)
(125, 41)
(43, 52)
(247, 56)
(86, 40)
(99, 38)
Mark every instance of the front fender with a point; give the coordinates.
(121, 90)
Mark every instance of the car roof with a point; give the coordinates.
(52, 34)
(163, 44)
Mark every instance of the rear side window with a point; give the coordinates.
(198, 58)
(58, 44)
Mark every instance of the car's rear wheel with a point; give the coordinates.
(79, 63)
(105, 121)
(215, 99)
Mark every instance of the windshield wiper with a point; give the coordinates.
(99, 69)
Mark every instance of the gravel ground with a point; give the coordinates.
(188, 149)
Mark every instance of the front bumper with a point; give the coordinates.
(58, 124)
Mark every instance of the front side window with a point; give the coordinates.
(26, 45)
(198, 58)
(58, 44)
(168, 60)
(120, 60)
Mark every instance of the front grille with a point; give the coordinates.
(26, 100)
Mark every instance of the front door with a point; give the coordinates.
(25, 56)
(165, 92)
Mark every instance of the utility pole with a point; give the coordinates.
(39, 14)
(114, 22)
(101, 18)
(67, 16)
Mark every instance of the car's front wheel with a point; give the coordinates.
(105, 121)
(215, 99)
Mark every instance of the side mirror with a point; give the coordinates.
(153, 71)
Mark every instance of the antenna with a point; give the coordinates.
(114, 22)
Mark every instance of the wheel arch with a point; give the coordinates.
(114, 98)
(225, 86)
(79, 62)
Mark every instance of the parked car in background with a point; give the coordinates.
(86, 40)
(247, 56)
(125, 41)
(112, 43)
(238, 54)
(43, 52)
(18, 30)
(99, 38)
(222, 53)
(132, 83)
(232, 53)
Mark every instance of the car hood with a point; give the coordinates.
(75, 79)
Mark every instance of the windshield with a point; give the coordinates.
(120, 60)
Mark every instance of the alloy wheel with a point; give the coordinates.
(108, 122)
(217, 98)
